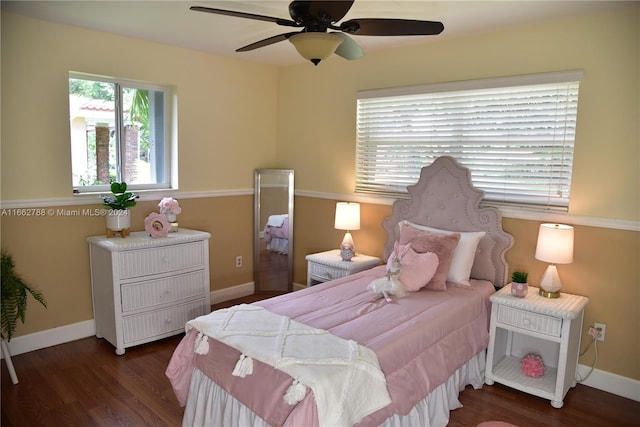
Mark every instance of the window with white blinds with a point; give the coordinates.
(515, 134)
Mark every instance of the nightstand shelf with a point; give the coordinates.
(325, 266)
(510, 374)
(548, 327)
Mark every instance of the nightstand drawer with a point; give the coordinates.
(324, 273)
(535, 322)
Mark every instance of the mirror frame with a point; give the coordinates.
(289, 174)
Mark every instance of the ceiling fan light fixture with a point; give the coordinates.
(316, 46)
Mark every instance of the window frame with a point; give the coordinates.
(169, 124)
(367, 143)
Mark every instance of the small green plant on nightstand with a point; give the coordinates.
(519, 286)
(519, 277)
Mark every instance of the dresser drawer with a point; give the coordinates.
(140, 295)
(535, 322)
(325, 273)
(143, 262)
(142, 326)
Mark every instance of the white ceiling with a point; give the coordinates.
(171, 22)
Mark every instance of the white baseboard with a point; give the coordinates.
(611, 383)
(233, 292)
(51, 337)
(601, 380)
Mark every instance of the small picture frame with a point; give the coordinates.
(157, 225)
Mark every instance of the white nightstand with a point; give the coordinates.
(550, 327)
(325, 266)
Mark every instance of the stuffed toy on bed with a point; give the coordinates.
(390, 285)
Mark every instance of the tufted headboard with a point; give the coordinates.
(444, 197)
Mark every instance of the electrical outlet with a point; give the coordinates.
(602, 328)
(239, 261)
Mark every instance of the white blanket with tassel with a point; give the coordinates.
(345, 377)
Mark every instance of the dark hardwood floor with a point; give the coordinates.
(84, 383)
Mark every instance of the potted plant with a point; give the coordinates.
(519, 285)
(118, 218)
(13, 306)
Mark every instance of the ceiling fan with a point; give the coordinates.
(315, 43)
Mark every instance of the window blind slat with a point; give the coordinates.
(516, 140)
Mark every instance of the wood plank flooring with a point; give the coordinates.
(84, 383)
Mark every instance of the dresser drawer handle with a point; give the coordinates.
(164, 260)
(526, 321)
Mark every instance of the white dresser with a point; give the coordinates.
(147, 288)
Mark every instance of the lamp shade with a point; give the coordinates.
(555, 243)
(316, 46)
(347, 216)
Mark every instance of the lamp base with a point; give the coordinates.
(548, 294)
(347, 247)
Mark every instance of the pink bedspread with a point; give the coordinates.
(420, 340)
(279, 232)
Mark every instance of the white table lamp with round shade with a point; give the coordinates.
(555, 246)
(348, 219)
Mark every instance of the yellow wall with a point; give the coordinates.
(316, 128)
(226, 121)
(236, 116)
(226, 114)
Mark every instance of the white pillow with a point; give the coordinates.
(463, 256)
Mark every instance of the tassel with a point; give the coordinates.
(243, 367)
(295, 393)
(201, 345)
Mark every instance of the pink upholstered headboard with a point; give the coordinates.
(445, 198)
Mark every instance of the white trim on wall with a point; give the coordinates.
(612, 223)
(233, 292)
(92, 199)
(588, 221)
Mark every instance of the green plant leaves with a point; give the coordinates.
(13, 297)
(121, 199)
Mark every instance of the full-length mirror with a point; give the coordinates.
(273, 230)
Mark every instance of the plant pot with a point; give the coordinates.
(118, 221)
(519, 290)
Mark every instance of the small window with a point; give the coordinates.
(120, 131)
(515, 134)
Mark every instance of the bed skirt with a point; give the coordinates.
(278, 245)
(210, 405)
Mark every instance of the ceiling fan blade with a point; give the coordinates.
(391, 27)
(266, 42)
(349, 49)
(279, 21)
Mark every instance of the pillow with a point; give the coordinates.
(463, 256)
(417, 270)
(443, 245)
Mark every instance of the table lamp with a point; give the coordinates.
(347, 218)
(555, 245)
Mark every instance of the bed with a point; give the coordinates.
(276, 234)
(428, 345)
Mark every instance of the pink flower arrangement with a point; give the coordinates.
(532, 365)
(169, 205)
